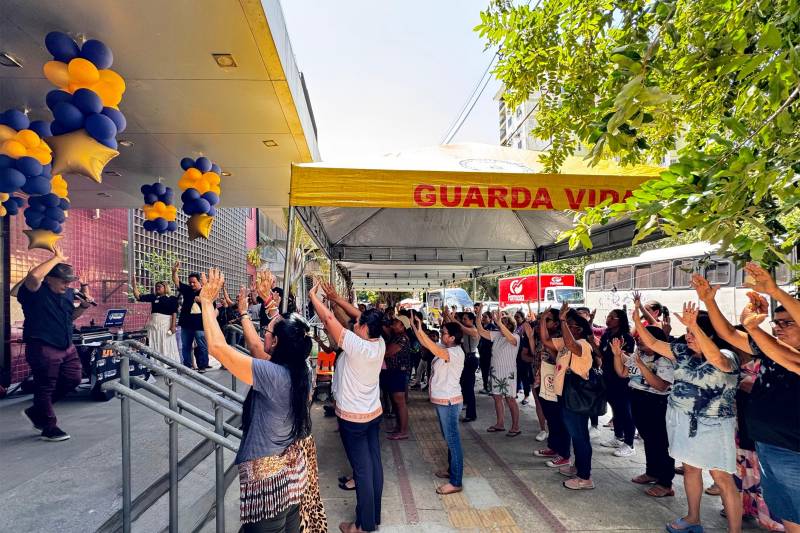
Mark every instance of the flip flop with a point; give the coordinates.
(344, 486)
(684, 527)
(644, 479)
(397, 436)
(344, 479)
(513, 433)
(493, 429)
(657, 491)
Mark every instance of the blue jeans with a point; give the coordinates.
(780, 480)
(578, 428)
(362, 446)
(557, 435)
(448, 421)
(187, 337)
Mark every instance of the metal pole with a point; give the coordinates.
(173, 459)
(220, 470)
(538, 284)
(287, 267)
(125, 405)
(474, 287)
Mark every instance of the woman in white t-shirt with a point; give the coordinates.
(445, 394)
(358, 406)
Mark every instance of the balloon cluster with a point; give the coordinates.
(158, 210)
(86, 117)
(200, 185)
(24, 156)
(46, 212)
(10, 205)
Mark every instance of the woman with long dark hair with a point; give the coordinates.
(161, 324)
(277, 458)
(617, 390)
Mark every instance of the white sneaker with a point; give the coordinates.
(613, 442)
(624, 451)
(541, 436)
(594, 432)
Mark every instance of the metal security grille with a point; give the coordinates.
(225, 248)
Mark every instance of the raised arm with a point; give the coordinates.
(175, 278)
(331, 294)
(619, 365)
(509, 335)
(781, 353)
(135, 289)
(544, 336)
(649, 376)
(760, 280)
(252, 340)
(660, 347)
(436, 349)
(332, 326)
(709, 350)
(479, 324)
(33, 281)
(237, 363)
(707, 294)
(637, 302)
(569, 340)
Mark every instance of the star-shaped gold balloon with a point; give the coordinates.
(199, 226)
(77, 153)
(41, 238)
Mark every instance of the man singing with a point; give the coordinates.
(191, 320)
(49, 306)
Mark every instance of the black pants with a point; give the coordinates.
(558, 438)
(287, 521)
(363, 449)
(650, 417)
(486, 367)
(524, 376)
(618, 393)
(468, 385)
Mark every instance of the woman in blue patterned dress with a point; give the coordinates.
(701, 415)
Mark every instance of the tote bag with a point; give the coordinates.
(547, 389)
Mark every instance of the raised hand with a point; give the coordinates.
(212, 283)
(562, 313)
(616, 346)
(752, 317)
(689, 316)
(330, 291)
(592, 315)
(758, 279)
(242, 300)
(176, 266)
(526, 327)
(58, 254)
(705, 291)
(263, 285)
(637, 298)
(760, 304)
(666, 324)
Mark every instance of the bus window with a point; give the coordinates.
(652, 276)
(617, 278)
(719, 273)
(682, 273)
(595, 280)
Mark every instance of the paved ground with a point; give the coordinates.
(75, 486)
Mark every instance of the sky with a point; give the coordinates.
(387, 75)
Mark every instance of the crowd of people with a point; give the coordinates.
(722, 397)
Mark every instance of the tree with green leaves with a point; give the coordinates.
(716, 80)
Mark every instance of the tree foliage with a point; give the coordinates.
(632, 79)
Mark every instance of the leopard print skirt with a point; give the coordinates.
(312, 511)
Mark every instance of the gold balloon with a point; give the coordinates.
(199, 226)
(82, 72)
(43, 239)
(56, 73)
(77, 153)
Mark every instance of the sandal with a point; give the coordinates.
(713, 490)
(682, 526)
(344, 479)
(344, 486)
(513, 433)
(442, 474)
(644, 479)
(494, 429)
(452, 490)
(657, 491)
(397, 436)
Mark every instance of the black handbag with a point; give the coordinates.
(585, 396)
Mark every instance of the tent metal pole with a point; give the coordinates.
(474, 286)
(538, 284)
(287, 266)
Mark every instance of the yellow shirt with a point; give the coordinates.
(580, 364)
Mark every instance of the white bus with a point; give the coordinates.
(664, 275)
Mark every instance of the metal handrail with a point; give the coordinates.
(174, 374)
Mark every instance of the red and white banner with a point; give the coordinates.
(519, 290)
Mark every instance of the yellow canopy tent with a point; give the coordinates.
(432, 215)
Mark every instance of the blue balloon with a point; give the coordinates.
(100, 127)
(51, 200)
(61, 46)
(55, 97)
(41, 128)
(216, 169)
(150, 198)
(111, 143)
(37, 185)
(203, 164)
(29, 166)
(12, 207)
(211, 197)
(6, 162)
(33, 218)
(47, 169)
(188, 209)
(161, 224)
(15, 119)
(212, 212)
(55, 213)
(49, 224)
(172, 225)
(187, 163)
(57, 229)
(68, 116)
(148, 225)
(87, 101)
(201, 206)
(57, 129)
(159, 189)
(116, 115)
(190, 195)
(145, 189)
(64, 204)
(98, 53)
(11, 179)
(35, 201)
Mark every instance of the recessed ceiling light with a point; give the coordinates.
(225, 60)
(9, 60)
(112, 173)
(126, 143)
(104, 195)
(226, 174)
(270, 143)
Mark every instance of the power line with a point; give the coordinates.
(457, 122)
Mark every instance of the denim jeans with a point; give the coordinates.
(362, 446)
(557, 435)
(578, 428)
(187, 337)
(448, 421)
(780, 480)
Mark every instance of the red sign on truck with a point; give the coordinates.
(524, 288)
